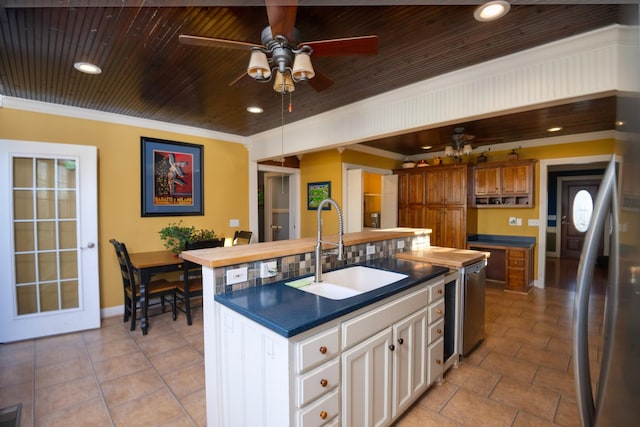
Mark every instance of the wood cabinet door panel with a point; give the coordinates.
(454, 185)
(453, 228)
(515, 179)
(433, 187)
(486, 181)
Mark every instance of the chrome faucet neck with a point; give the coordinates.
(319, 242)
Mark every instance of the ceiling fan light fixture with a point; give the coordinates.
(492, 10)
(466, 150)
(259, 66)
(448, 151)
(283, 83)
(302, 68)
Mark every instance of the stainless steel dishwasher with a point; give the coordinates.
(473, 287)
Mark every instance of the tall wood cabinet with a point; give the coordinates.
(436, 197)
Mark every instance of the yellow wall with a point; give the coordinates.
(496, 220)
(225, 174)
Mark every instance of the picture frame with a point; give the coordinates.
(317, 192)
(172, 178)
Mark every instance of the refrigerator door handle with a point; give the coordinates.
(606, 201)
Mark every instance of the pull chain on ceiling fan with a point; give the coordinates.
(280, 54)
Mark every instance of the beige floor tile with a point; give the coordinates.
(175, 359)
(567, 414)
(196, 406)
(16, 373)
(196, 341)
(437, 396)
(156, 344)
(473, 378)
(495, 329)
(502, 345)
(92, 412)
(542, 357)
(63, 395)
(561, 346)
(105, 350)
(521, 370)
(560, 381)
(186, 380)
(528, 337)
(132, 386)
(515, 322)
(424, 417)
(559, 331)
(56, 353)
(60, 372)
(17, 353)
(525, 419)
(105, 334)
(180, 421)
(16, 393)
(149, 410)
(533, 399)
(118, 366)
(473, 410)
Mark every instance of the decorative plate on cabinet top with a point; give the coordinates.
(409, 165)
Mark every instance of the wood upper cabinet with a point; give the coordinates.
(503, 184)
(446, 185)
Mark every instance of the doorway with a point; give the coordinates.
(577, 197)
(278, 203)
(48, 254)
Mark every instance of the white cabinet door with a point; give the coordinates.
(409, 360)
(366, 379)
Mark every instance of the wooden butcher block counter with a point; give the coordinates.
(448, 257)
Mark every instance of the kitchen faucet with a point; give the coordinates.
(318, 277)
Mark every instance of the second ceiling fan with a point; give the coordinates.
(281, 57)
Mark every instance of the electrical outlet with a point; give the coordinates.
(512, 220)
(237, 275)
(533, 222)
(400, 244)
(519, 221)
(268, 269)
(371, 250)
(234, 223)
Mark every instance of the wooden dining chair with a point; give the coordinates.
(156, 289)
(242, 237)
(191, 284)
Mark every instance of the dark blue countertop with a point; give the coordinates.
(498, 240)
(289, 311)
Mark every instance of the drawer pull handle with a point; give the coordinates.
(323, 415)
(400, 341)
(323, 350)
(324, 382)
(439, 331)
(438, 362)
(392, 347)
(439, 311)
(440, 291)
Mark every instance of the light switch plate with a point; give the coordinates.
(237, 275)
(533, 222)
(234, 223)
(371, 250)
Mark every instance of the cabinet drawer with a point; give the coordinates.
(516, 253)
(318, 349)
(436, 331)
(436, 311)
(317, 382)
(435, 355)
(362, 327)
(319, 412)
(436, 292)
(516, 262)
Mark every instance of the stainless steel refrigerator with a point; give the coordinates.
(614, 398)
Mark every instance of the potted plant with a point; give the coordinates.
(176, 236)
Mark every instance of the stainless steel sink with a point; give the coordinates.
(351, 281)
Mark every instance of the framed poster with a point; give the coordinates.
(171, 178)
(317, 192)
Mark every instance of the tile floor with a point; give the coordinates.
(521, 375)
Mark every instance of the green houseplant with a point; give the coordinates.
(176, 235)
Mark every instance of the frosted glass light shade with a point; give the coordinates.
(448, 151)
(283, 84)
(302, 68)
(258, 66)
(467, 149)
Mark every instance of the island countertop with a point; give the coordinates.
(289, 311)
(223, 256)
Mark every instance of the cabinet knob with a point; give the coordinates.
(323, 350)
(324, 382)
(440, 291)
(438, 362)
(439, 331)
(323, 415)
(400, 341)
(392, 347)
(439, 311)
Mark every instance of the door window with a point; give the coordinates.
(582, 210)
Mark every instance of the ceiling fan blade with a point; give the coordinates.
(211, 42)
(363, 45)
(320, 82)
(282, 19)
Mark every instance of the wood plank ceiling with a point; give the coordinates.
(148, 74)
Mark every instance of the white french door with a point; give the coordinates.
(48, 249)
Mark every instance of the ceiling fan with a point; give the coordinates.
(281, 56)
(462, 143)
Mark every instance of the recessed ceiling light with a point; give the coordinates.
(255, 110)
(554, 129)
(87, 68)
(426, 147)
(619, 123)
(492, 10)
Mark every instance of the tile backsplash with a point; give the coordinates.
(303, 264)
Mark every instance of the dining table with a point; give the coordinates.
(148, 264)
